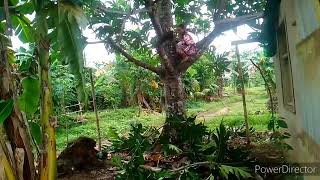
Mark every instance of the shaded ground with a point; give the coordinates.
(105, 173)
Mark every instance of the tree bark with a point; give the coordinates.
(219, 82)
(174, 95)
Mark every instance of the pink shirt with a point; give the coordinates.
(188, 45)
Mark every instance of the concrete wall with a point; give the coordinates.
(304, 47)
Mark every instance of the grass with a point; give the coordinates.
(121, 118)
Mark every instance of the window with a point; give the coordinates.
(286, 71)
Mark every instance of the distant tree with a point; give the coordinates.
(220, 65)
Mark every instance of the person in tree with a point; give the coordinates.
(186, 47)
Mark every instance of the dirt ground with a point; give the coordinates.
(106, 172)
(100, 174)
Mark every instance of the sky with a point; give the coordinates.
(97, 54)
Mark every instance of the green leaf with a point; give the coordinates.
(281, 123)
(72, 43)
(5, 110)
(24, 30)
(29, 100)
(175, 148)
(270, 125)
(26, 8)
(239, 172)
(36, 132)
(13, 2)
(113, 134)
(116, 160)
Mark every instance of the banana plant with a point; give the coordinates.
(220, 65)
(15, 148)
(56, 26)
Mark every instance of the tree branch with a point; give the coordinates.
(220, 26)
(130, 58)
(153, 14)
(224, 25)
(221, 6)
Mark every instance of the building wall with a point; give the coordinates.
(303, 29)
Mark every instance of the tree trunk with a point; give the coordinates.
(174, 96)
(17, 135)
(93, 91)
(48, 167)
(220, 86)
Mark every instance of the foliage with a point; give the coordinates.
(6, 108)
(267, 35)
(205, 77)
(179, 129)
(26, 61)
(120, 118)
(116, 89)
(280, 133)
(71, 42)
(63, 86)
(137, 142)
(29, 99)
(236, 82)
(267, 66)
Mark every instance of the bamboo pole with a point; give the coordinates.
(95, 110)
(243, 93)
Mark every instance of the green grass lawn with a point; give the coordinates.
(229, 110)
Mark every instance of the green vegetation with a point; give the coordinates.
(193, 98)
(208, 112)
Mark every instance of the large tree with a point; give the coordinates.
(145, 25)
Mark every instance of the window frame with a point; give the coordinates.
(282, 30)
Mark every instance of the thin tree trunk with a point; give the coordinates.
(243, 93)
(95, 110)
(268, 89)
(220, 86)
(48, 167)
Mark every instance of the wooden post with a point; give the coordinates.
(245, 111)
(65, 114)
(95, 110)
